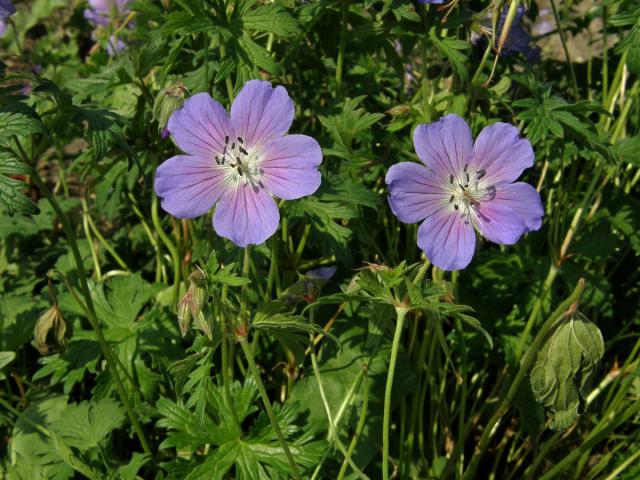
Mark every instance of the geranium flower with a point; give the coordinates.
(239, 162)
(6, 10)
(464, 187)
(102, 13)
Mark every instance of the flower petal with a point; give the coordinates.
(261, 113)
(246, 216)
(189, 185)
(290, 166)
(515, 210)
(501, 152)
(447, 239)
(444, 146)
(200, 126)
(414, 192)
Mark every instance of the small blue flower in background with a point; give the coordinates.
(6, 10)
(462, 186)
(431, 2)
(238, 161)
(102, 13)
(518, 40)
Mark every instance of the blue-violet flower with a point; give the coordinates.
(6, 10)
(464, 186)
(238, 162)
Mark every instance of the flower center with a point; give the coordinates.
(468, 191)
(242, 164)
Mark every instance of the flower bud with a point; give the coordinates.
(50, 330)
(168, 101)
(191, 305)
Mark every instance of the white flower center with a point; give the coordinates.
(468, 191)
(243, 166)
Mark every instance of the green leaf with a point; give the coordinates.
(270, 18)
(123, 300)
(5, 359)
(564, 366)
(87, 424)
(453, 49)
(12, 198)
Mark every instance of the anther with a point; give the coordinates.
(233, 145)
(226, 139)
(217, 160)
(466, 165)
(456, 206)
(467, 175)
(240, 140)
(462, 187)
(481, 173)
(243, 151)
(240, 171)
(450, 178)
(451, 199)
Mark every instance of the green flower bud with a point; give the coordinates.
(168, 101)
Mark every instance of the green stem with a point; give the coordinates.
(564, 47)
(341, 48)
(395, 346)
(102, 240)
(360, 426)
(267, 404)
(92, 317)
(173, 251)
(552, 322)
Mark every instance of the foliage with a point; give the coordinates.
(130, 339)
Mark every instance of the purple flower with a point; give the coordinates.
(238, 162)
(464, 186)
(6, 9)
(322, 273)
(518, 39)
(104, 12)
(431, 2)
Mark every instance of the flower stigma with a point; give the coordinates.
(242, 163)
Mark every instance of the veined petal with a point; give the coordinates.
(447, 239)
(501, 152)
(246, 215)
(444, 146)
(261, 113)
(189, 185)
(290, 166)
(414, 192)
(200, 126)
(515, 210)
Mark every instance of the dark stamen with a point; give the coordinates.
(222, 160)
(260, 183)
(460, 185)
(243, 151)
(466, 165)
(217, 160)
(233, 145)
(226, 139)
(451, 199)
(239, 161)
(240, 171)
(456, 206)
(467, 178)
(481, 173)
(240, 140)
(450, 178)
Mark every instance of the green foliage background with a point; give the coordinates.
(495, 376)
